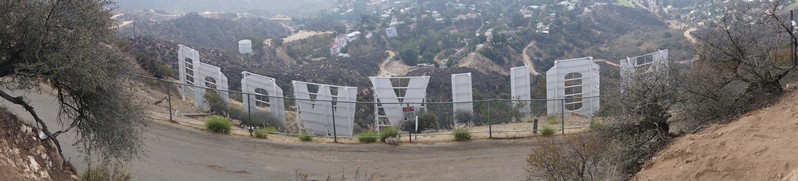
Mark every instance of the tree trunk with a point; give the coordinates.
(772, 87)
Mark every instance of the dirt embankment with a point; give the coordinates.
(759, 146)
(23, 156)
(390, 67)
(485, 65)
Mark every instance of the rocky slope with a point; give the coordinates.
(23, 156)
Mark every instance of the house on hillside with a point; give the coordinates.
(391, 32)
(437, 16)
(337, 44)
(352, 36)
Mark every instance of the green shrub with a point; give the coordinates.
(305, 137)
(367, 137)
(552, 120)
(426, 121)
(596, 124)
(264, 132)
(461, 134)
(270, 130)
(547, 131)
(464, 117)
(255, 118)
(387, 133)
(215, 102)
(218, 124)
(105, 171)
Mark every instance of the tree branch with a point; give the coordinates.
(21, 101)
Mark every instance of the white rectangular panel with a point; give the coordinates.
(316, 113)
(641, 66)
(209, 77)
(520, 86)
(462, 94)
(385, 93)
(574, 82)
(186, 57)
(260, 89)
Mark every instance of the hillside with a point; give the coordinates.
(186, 6)
(194, 29)
(758, 146)
(607, 32)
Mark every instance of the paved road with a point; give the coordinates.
(177, 153)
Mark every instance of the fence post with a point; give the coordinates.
(169, 99)
(249, 110)
(296, 112)
(562, 116)
(335, 133)
(490, 125)
(376, 116)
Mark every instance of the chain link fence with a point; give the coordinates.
(342, 121)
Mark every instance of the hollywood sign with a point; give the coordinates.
(572, 86)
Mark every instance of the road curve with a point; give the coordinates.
(178, 153)
(689, 35)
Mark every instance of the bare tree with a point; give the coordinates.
(573, 157)
(742, 60)
(647, 97)
(68, 46)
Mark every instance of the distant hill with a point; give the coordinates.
(215, 33)
(608, 32)
(187, 6)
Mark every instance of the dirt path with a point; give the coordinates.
(389, 67)
(689, 35)
(608, 62)
(759, 146)
(179, 153)
(384, 63)
(528, 60)
(302, 34)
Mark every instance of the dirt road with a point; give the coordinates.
(177, 153)
(302, 34)
(390, 67)
(607, 62)
(689, 35)
(528, 61)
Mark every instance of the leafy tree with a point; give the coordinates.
(68, 45)
(339, 29)
(369, 22)
(492, 54)
(277, 42)
(409, 55)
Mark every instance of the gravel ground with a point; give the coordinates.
(179, 153)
